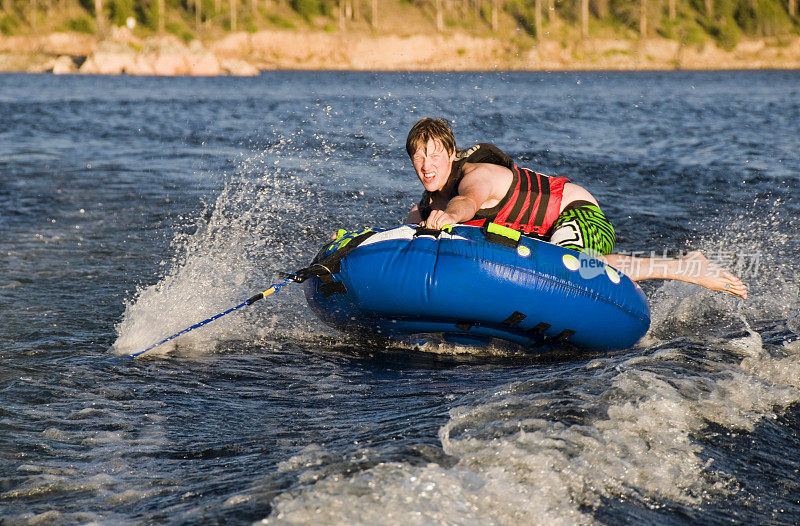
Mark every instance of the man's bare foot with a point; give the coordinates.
(695, 268)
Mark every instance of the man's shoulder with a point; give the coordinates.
(495, 178)
(474, 171)
(482, 168)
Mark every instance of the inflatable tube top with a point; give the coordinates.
(470, 285)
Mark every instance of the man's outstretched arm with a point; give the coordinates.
(460, 208)
(473, 192)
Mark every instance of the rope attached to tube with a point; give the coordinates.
(275, 287)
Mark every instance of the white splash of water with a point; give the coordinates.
(231, 256)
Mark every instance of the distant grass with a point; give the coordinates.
(281, 22)
(308, 9)
(82, 24)
(8, 25)
(618, 52)
(180, 31)
(727, 34)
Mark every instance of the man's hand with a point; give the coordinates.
(439, 218)
(414, 216)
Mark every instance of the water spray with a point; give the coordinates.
(275, 287)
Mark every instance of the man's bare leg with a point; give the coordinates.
(694, 267)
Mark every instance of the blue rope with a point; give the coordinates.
(275, 287)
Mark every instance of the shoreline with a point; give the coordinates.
(243, 54)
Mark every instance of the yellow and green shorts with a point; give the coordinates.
(582, 226)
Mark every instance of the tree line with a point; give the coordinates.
(687, 20)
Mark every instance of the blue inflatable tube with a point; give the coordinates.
(468, 288)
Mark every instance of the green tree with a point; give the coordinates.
(308, 9)
(161, 11)
(121, 10)
(99, 16)
(584, 18)
(762, 18)
(600, 9)
(639, 15)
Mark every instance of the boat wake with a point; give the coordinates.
(636, 427)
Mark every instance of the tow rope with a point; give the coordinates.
(322, 268)
(275, 287)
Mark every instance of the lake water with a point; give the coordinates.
(131, 208)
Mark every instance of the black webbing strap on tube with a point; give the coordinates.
(331, 263)
(494, 233)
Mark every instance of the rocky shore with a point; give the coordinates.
(121, 52)
(249, 53)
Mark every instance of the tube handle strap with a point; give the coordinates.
(331, 264)
(502, 235)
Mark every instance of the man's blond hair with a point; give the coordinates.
(427, 129)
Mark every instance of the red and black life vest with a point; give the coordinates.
(531, 204)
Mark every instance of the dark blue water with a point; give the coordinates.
(131, 208)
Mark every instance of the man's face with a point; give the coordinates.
(432, 164)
